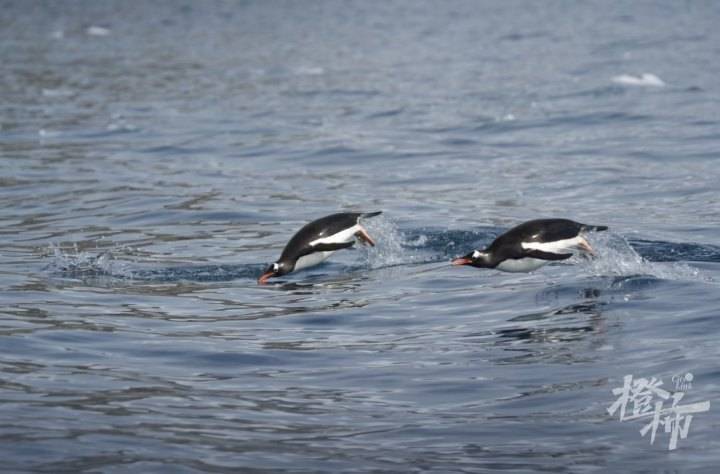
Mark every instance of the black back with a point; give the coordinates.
(540, 230)
(509, 244)
(299, 244)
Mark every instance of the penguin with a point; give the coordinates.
(531, 245)
(319, 239)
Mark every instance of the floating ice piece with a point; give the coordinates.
(645, 80)
(97, 31)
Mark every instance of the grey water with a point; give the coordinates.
(156, 156)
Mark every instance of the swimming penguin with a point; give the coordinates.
(318, 240)
(531, 245)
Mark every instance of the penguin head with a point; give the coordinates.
(476, 258)
(274, 270)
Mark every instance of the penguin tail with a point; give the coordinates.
(370, 214)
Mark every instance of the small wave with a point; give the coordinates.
(95, 30)
(55, 93)
(644, 80)
(658, 251)
(309, 71)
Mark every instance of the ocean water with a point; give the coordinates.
(156, 156)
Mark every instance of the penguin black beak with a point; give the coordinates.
(265, 277)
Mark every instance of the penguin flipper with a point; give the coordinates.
(534, 253)
(329, 247)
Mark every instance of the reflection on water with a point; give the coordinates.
(552, 335)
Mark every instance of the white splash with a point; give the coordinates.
(615, 256)
(644, 80)
(75, 262)
(389, 249)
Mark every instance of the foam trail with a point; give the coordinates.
(615, 256)
(202, 273)
(106, 268)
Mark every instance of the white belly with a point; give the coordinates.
(526, 264)
(311, 260)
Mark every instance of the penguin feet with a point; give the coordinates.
(584, 245)
(364, 237)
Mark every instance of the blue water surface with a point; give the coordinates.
(156, 156)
